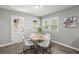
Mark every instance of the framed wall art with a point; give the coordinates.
(70, 22)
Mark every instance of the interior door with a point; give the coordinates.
(17, 28)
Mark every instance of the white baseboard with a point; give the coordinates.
(66, 45)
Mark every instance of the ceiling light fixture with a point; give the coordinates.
(36, 6)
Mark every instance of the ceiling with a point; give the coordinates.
(44, 10)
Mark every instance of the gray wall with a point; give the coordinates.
(68, 36)
(5, 24)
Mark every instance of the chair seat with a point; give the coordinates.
(29, 39)
(43, 44)
(29, 43)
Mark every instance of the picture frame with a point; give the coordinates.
(70, 22)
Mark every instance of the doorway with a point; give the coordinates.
(17, 28)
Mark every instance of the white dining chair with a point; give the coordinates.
(46, 44)
(27, 44)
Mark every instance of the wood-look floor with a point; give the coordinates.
(55, 49)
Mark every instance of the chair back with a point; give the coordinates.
(48, 39)
(48, 36)
(25, 41)
(46, 42)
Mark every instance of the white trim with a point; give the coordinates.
(66, 45)
(9, 43)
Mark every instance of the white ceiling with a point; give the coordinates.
(44, 10)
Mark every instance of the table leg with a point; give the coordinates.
(35, 48)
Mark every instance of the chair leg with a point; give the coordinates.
(43, 50)
(36, 49)
(32, 47)
(50, 50)
(24, 49)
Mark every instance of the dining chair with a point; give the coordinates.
(46, 44)
(27, 44)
